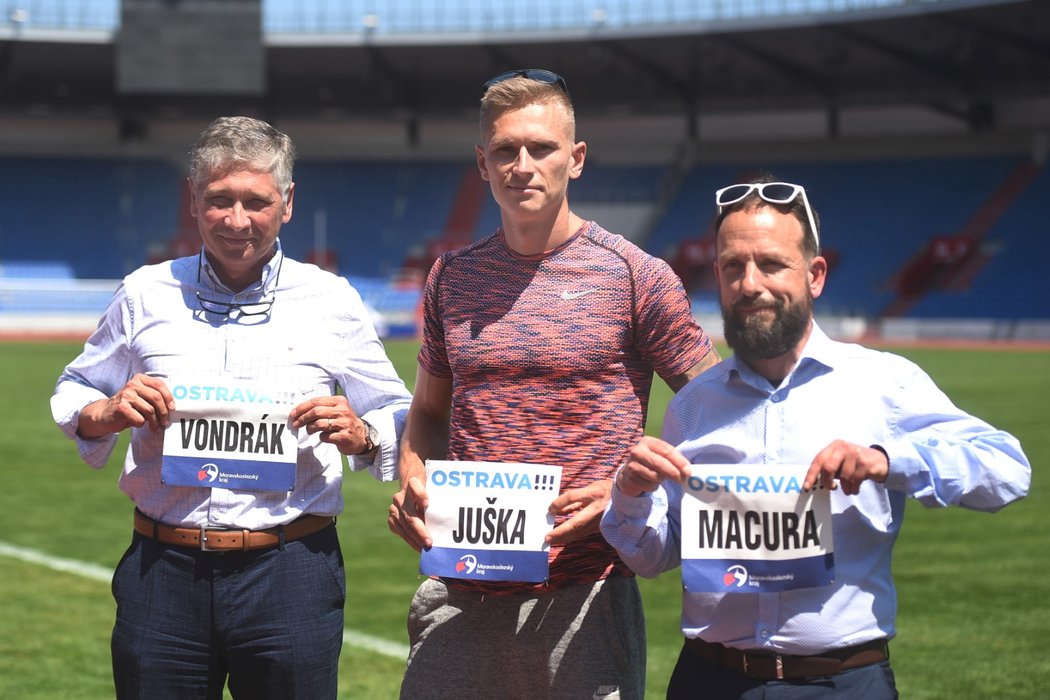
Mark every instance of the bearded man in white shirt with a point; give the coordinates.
(870, 425)
(243, 375)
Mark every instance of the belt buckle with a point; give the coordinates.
(204, 538)
(778, 662)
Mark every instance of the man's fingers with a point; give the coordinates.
(847, 472)
(660, 458)
(847, 463)
(155, 391)
(668, 452)
(160, 386)
(572, 500)
(585, 521)
(417, 493)
(650, 462)
(147, 400)
(406, 515)
(412, 530)
(397, 522)
(323, 414)
(128, 408)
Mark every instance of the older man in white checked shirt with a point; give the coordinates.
(265, 369)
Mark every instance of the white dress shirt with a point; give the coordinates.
(938, 455)
(316, 336)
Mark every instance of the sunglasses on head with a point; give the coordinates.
(772, 192)
(537, 74)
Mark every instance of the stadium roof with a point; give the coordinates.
(976, 65)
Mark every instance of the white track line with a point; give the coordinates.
(351, 638)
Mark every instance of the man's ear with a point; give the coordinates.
(288, 204)
(193, 198)
(579, 154)
(818, 274)
(480, 152)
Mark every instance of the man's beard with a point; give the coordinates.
(752, 339)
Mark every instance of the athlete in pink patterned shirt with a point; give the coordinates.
(540, 343)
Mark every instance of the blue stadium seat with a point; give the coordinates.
(39, 270)
(65, 218)
(98, 215)
(375, 211)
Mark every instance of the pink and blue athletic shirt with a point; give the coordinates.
(551, 358)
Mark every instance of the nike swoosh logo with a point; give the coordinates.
(569, 296)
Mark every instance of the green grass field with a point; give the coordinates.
(973, 588)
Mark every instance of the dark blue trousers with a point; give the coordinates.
(695, 678)
(269, 622)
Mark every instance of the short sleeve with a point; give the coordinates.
(433, 354)
(667, 333)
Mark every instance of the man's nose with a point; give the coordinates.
(237, 219)
(751, 280)
(524, 160)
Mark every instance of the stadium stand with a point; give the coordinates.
(1011, 282)
(375, 211)
(877, 215)
(99, 215)
(919, 129)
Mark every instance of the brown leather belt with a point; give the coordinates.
(209, 539)
(768, 666)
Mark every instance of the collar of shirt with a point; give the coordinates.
(818, 356)
(267, 282)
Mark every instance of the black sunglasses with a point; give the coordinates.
(242, 309)
(538, 74)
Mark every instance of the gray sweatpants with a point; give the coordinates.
(585, 641)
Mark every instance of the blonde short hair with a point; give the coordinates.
(519, 91)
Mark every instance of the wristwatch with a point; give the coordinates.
(371, 437)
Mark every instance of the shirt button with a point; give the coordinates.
(764, 634)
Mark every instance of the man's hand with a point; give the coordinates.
(649, 463)
(334, 421)
(850, 463)
(407, 512)
(143, 401)
(584, 506)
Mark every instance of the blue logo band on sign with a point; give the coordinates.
(227, 473)
(484, 565)
(756, 576)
